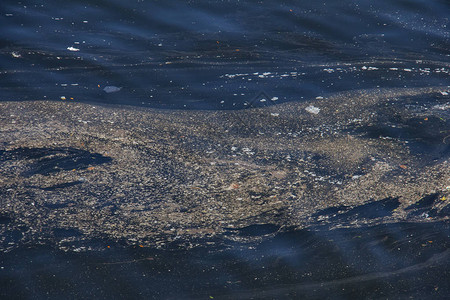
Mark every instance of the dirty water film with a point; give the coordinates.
(296, 192)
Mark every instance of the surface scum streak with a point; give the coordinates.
(72, 172)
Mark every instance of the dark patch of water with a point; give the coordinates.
(45, 161)
(444, 212)
(371, 210)
(62, 185)
(4, 219)
(55, 205)
(64, 233)
(424, 203)
(426, 135)
(424, 207)
(256, 230)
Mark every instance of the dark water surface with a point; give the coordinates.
(231, 55)
(399, 261)
(218, 54)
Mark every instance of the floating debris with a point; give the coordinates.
(312, 109)
(73, 49)
(111, 89)
(150, 177)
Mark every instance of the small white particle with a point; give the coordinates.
(312, 109)
(73, 49)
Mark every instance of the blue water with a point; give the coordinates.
(223, 55)
(218, 54)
